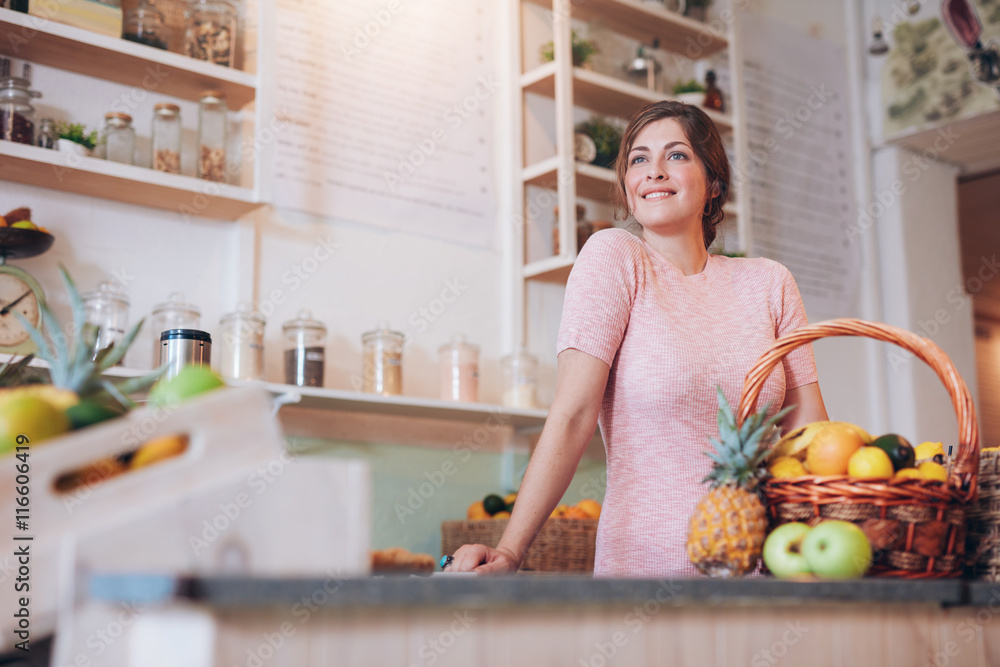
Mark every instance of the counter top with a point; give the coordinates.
(527, 590)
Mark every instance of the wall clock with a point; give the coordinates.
(19, 291)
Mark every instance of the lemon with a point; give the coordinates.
(906, 473)
(870, 463)
(989, 450)
(559, 511)
(787, 466)
(931, 470)
(928, 450)
(159, 449)
(502, 515)
(32, 417)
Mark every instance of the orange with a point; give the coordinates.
(787, 466)
(502, 515)
(575, 513)
(590, 507)
(931, 470)
(831, 449)
(870, 463)
(906, 473)
(476, 512)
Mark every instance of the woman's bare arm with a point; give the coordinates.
(808, 404)
(580, 384)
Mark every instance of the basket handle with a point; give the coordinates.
(963, 476)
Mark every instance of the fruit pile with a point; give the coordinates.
(495, 506)
(20, 218)
(841, 448)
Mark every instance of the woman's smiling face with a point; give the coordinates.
(665, 181)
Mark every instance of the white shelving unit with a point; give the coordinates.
(573, 88)
(45, 42)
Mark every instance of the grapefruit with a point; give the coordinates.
(831, 449)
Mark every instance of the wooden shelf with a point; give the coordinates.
(605, 94)
(646, 23)
(123, 182)
(550, 270)
(592, 182)
(84, 52)
(972, 144)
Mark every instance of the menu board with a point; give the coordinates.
(384, 107)
(798, 174)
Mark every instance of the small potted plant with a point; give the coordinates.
(607, 137)
(74, 138)
(689, 92)
(582, 50)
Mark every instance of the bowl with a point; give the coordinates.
(16, 242)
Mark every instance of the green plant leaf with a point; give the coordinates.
(116, 352)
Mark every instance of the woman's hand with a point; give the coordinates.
(482, 559)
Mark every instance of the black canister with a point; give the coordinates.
(179, 347)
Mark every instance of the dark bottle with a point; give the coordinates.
(713, 96)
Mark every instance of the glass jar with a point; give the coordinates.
(17, 115)
(242, 353)
(305, 351)
(459, 366)
(144, 24)
(167, 138)
(175, 313)
(383, 361)
(520, 379)
(211, 31)
(212, 121)
(106, 308)
(47, 135)
(119, 137)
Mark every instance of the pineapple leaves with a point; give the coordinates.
(116, 352)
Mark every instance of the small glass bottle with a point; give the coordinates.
(119, 137)
(520, 379)
(713, 96)
(174, 313)
(212, 121)
(107, 308)
(47, 135)
(17, 115)
(167, 138)
(305, 351)
(459, 366)
(211, 31)
(242, 353)
(383, 361)
(144, 24)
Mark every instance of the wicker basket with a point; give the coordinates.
(984, 521)
(562, 545)
(917, 527)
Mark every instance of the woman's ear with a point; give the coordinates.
(716, 190)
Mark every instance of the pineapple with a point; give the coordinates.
(75, 375)
(728, 527)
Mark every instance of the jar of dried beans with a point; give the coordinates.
(167, 138)
(305, 350)
(17, 115)
(212, 120)
(383, 361)
(211, 31)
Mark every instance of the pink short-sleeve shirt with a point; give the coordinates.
(670, 339)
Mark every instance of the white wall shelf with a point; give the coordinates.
(592, 182)
(46, 42)
(972, 144)
(126, 183)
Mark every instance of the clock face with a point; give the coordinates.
(16, 296)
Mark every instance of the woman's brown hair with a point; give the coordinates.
(707, 145)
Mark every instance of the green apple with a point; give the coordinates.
(837, 550)
(189, 382)
(24, 224)
(783, 551)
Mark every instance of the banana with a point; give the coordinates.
(796, 442)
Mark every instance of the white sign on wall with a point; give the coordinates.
(385, 105)
(798, 174)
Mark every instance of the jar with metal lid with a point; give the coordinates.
(212, 121)
(305, 350)
(459, 367)
(47, 137)
(167, 138)
(144, 24)
(383, 361)
(174, 313)
(17, 115)
(182, 347)
(107, 308)
(241, 356)
(119, 137)
(520, 379)
(211, 31)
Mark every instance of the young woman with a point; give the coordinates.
(651, 325)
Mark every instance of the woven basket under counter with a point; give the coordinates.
(984, 521)
(562, 545)
(917, 527)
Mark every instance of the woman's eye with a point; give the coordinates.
(637, 159)
(678, 156)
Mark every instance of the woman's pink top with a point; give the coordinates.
(670, 339)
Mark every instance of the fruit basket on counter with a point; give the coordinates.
(916, 526)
